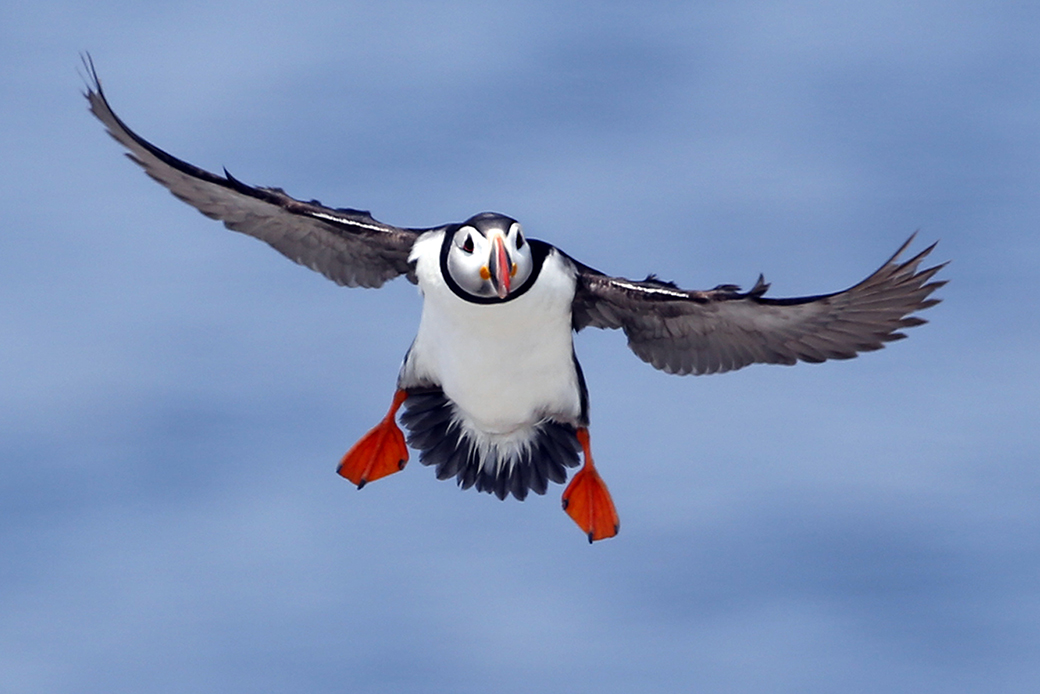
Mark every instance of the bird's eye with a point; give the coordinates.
(467, 245)
(519, 240)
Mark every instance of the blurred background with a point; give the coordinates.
(174, 397)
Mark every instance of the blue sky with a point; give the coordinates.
(175, 396)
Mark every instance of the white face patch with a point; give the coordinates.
(469, 252)
(472, 258)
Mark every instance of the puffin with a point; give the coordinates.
(491, 388)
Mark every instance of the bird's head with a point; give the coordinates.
(487, 257)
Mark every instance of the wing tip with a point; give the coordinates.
(91, 79)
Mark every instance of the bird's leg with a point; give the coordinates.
(586, 499)
(380, 452)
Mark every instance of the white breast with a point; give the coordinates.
(506, 366)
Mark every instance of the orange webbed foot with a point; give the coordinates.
(380, 452)
(587, 500)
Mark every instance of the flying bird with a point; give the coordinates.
(492, 390)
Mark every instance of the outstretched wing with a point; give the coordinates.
(722, 329)
(347, 246)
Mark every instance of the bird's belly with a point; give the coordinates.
(503, 390)
(505, 366)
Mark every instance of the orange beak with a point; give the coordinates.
(500, 267)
